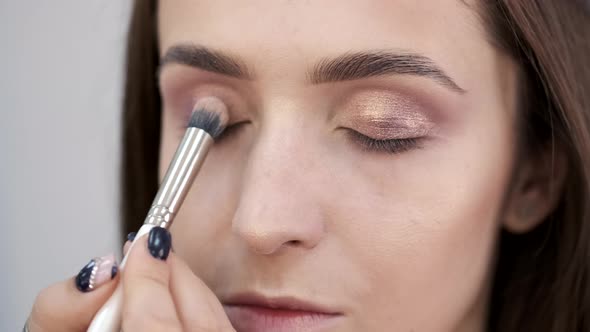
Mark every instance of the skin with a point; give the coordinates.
(288, 205)
(291, 202)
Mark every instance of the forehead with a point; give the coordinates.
(314, 24)
(292, 34)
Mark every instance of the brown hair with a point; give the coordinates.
(541, 280)
(542, 277)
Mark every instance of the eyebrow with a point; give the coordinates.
(347, 67)
(206, 59)
(360, 65)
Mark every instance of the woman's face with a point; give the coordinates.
(368, 154)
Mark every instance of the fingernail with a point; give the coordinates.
(159, 243)
(96, 272)
(131, 236)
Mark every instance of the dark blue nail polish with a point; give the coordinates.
(159, 243)
(83, 277)
(131, 236)
(114, 271)
(98, 271)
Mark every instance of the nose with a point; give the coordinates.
(278, 207)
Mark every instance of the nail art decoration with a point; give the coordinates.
(159, 243)
(96, 272)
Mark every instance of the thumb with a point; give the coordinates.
(70, 304)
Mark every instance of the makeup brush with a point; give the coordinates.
(207, 122)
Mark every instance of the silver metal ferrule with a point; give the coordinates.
(179, 177)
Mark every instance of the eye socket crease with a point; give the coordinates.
(346, 67)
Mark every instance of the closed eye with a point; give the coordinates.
(392, 146)
(231, 130)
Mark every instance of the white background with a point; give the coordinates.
(60, 95)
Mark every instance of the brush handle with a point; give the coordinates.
(183, 169)
(108, 318)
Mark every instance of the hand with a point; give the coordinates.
(161, 293)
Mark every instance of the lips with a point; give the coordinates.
(251, 312)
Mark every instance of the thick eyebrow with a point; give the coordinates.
(206, 59)
(353, 66)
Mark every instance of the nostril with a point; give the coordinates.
(294, 243)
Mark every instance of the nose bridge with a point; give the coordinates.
(281, 148)
(274, 209)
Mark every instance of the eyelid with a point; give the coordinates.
(182, 87)
(384, 114)
(230, 130)
(392, 146)
(392, 128)
(183, 102)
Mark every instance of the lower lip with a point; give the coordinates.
(246, 318)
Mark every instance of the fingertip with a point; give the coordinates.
(159, 243)
(62, 306)
(141, 263)
(146, 289)
(126, 247)
(97, 272)
(131, 236)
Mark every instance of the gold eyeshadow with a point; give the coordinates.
(386, 115)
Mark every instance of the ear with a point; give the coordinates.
(536, 189)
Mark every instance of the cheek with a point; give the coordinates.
(204, 221)
(414, 233)
(425, 231)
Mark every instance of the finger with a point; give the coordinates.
(198, 307)
(148, 304)
(70, 305)
(127, 245)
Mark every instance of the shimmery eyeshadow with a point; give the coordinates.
(383, 115)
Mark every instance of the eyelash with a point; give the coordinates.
(392, 146)
(230, 130)
(368, 144)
